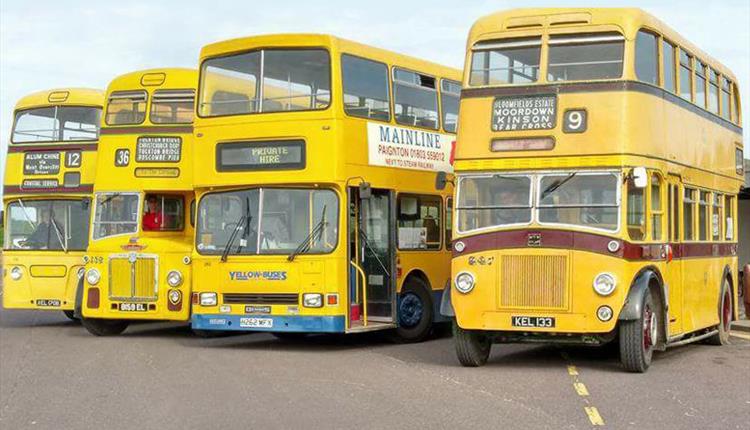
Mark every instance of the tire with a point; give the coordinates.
(71, 315)
(415, 312)
(103, 327)
(472, 346)
(289, 335)
(725, 317)
(639, 337)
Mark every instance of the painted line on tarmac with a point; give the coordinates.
(740, 335)
(580, 388)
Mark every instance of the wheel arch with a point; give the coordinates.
(732, 291)
(646, 278)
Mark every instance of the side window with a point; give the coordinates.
(713, 91)
(703, 209)
(449, 224)
(668, 60)
(700, 84)
(450, 91)
(739, 161)
(636, 216)
(415, 98)
(688, 213)
(646, 58)
(736, 105)
(726, 110)
(163, 213)
(419, 221)
(729, 217)
(686, 75)
(716, 217)
(366, 92)
(657, 208)
(675, 213)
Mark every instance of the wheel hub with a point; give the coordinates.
(410, 310)
(649, 328)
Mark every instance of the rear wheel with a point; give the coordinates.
(725, 317)
(71, 315)
(638, 337)
(415, 312)
(102, 327)
(472, 346)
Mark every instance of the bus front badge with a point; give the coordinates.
(534, 239)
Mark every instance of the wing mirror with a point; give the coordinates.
(365, 191)
(640, 177)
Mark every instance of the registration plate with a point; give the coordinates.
(132, 307)
(256, 322)
(53, 303)
(537, 322)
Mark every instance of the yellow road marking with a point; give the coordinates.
(581, 389)
(594, 417)
(572, 371)
(740, 335)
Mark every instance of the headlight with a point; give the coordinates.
(604, 284)
(16, 273)
(174, 278)
(175, 296)
(208, 299)
(604, 313)
(93, 276)
(464, 282)
(312, 300)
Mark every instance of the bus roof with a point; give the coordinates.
(326, 40)
(167, 77)
(630, 20)
(62, 96)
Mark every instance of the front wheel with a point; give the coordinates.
(725, 317)
(103, 327)
(472, 346)
(638, 337)
(71, 315)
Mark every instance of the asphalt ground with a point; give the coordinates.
(54, 375)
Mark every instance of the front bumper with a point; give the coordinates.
(280, 323)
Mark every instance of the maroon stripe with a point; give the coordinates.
(590, 242)
(146, 130)
(62, 147)
(15, 189)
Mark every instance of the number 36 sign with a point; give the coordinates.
(575, 121)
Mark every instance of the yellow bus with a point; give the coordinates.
(138, 264)
(598, 166)
(49, 175)
(319, 211)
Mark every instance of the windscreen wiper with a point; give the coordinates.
(555, 185)
(230, 241)
(58, 234)
(316, 232)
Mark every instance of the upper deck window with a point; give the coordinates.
(585, 57)
(366, 92)
(713, 91)
(415, 99)
(686, 75)
(126, 108)
(56, 124)
(668, 61)
(726, 86)
(646, 57)
(272, 80)
(172, 106)
(450, 92)
(506, 61)
(700, 84)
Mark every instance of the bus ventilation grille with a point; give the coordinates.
(533, 281)
(260, 299)
(133, 278)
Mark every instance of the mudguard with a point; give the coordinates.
(79, 300)
(631, 309)
(446, 307)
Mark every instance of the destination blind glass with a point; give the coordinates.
(265, 155)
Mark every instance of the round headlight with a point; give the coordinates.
(16, 273)
(604, 284)
(174, 278)
(93, 276)
(604, 313)
(464, 282)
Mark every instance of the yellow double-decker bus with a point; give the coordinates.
(49, 175)
(138, 259)
(318, 211)
(598, 163)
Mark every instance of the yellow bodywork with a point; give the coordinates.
(626, 129)
(49, 278)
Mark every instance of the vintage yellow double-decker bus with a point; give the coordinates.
(318, 210)
(49, 175)
(598, 162)
(138, 259)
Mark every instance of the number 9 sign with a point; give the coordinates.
(575, 121)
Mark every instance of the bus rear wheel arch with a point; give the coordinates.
(639, 337)
(415, 310)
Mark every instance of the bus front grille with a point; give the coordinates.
(133, 277)
(534, 281)
(260, 299)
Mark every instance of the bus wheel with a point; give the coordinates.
(472, 346)
(71, 315)
(102, 327)
(725, 317)
(638, 337)
(289, 335)
(414, 312)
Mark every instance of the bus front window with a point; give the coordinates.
(291, 80)
(115, 214)
(163, 213)
(585, 57)
(582, 199)
(56, 124)
(493, 201)
(47, 225)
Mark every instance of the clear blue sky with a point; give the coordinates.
(46, 44)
